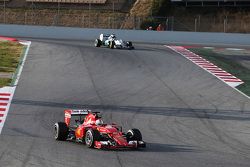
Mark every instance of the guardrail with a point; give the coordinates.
(70, 1)
(161, 37)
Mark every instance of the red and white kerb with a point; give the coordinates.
(208, 66)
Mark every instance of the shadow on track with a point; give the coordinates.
(163, 111)
(151, 147)
(157, 147)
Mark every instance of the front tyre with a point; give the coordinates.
(90, 137)
(61, 131)
(98, 43)
(134, 134)
(130, 45)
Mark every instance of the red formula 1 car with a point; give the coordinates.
(89, 128)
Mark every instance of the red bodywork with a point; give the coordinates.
(8, 39)
(89, 122)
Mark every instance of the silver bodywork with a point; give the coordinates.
(106, 39)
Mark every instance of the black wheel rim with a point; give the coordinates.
(56, 132)
(88, 139)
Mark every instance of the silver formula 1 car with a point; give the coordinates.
(109, 40)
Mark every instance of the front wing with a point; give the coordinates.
(131, 144)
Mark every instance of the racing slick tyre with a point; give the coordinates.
(130, 45)
(134, 134)
(90, 137)
(98, 43)
(111, 44)
(61, 131)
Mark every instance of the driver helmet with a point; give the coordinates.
(99, 122)
(112, 36)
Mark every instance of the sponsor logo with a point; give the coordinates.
(67, 115)
(81, 112)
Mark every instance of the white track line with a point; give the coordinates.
(7, 93)
(210, 67)
(222, 75)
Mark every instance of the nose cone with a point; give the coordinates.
(120, 140)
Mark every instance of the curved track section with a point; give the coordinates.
(187, 116)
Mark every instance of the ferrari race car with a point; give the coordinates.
(111, 42)
(88, 128)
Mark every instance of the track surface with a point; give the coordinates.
(187, 116)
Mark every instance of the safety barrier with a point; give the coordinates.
(163, 37)
(70, 1)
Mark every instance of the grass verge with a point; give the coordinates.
(231, 66)
(4, 82)
(10, 53)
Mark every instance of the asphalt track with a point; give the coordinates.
(188, 117)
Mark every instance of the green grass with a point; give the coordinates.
(10, 53)
(4, 82)
(233, 67)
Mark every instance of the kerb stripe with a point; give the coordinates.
(6, 99)
(5, 94)
(3, 104)
(2, 109)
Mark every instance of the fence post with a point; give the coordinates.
(109, 22)
(195, 24)
(4, 11)
(54, 20)
(89, 15)
(199, 22)
(97, 21)
(139, 23)
(166, 24)
(113, 11)
(225, 25)
(83, 20)
(172, 26)
(58, 8)
(25, 18)
(113, 21)
(32, 13)
(134, 18)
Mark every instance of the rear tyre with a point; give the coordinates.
(90, 137)
(61, 131)
(134, 134)
(98, 43)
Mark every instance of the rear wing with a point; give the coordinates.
(104, 37)
(74, 112)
